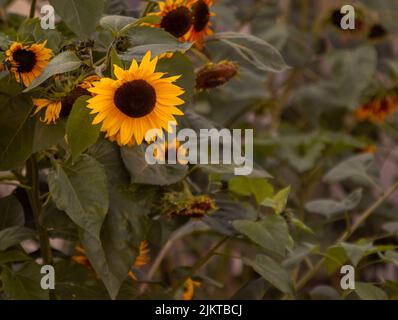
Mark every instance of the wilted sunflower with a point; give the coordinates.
(377, 110)
(60, 108)
(142, 259)
(28, 61)
(189, 289)
(201, 22)
(139, 100)
(176, 17)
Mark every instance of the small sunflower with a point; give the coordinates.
(139, 100)
(142, 259)
(377, 110)
(161, 153)
(201, 11)
(176, 17)
(189, 289)
(28, 61)
(61, 108)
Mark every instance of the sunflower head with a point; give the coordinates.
(176, 17)
(214, 75)
(178, 205)
(201, 13)
(377, 110)
(140, 99)
(28, 61)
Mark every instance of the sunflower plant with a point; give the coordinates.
(76, 191)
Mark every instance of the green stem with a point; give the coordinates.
(347, 234)
(32, 9)
(32, 172)
(149, 7)
(199, 264)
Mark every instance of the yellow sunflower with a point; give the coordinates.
(201, 22)
(28, 61)
(189, 289)
(139, 100)
(176, 17)
(377, 110)
(60, 108)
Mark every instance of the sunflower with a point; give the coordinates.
(28, 61)
(189, 289)
(377, 110)
(162, 151)
(139, 100)
(61, 108)
(176, 17)
(201, 22)
(142, 259)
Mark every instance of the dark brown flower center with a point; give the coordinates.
(68, 102)
(135, 99)
(25, 59)
(177, 22)
(201, 14)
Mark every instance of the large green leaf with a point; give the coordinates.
(47, 135)
(80, 189)
(16, 130)
(11, 213)
(256, 51)
(14, 235)
(367, 291)
(156, 174)
(330, 208)
(64, 62)
(23, 284)
(271, 271)
(81, 16)
(80, 131)
(124, 228)
(155, 40)
(272, 233)
(116, 23)
(260, 188)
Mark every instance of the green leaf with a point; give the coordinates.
(11, 213)
(12, 256)
(81, 16)
(367, 291)
(80, 131)
(124, 228)
(23, 284)
(331, 208)
(115, 23)
(157, 174)
(16, 131)
(271, 271)
(180, 65)
(355, 168)
(278, 202)
(81, 191)
(335, 257)
(272, 233)
(12, 236)
(64, 62)
(156, 40)
(356, 251)
(47, 135)
(245, 186)
(256, 51)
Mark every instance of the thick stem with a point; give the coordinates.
(32, 172)
(32, 9)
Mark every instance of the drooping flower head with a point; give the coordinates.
(28, 61)
(201, 12)
(176, 17)
(140, 99)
